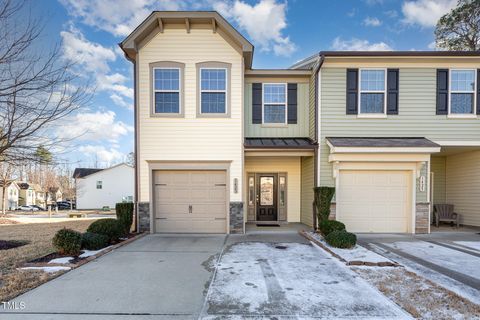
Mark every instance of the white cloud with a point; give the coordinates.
(426, 12)
(119, 101)
(94, 126)
(102, 154)
(264, 22)
(359, 45)
(372, 22)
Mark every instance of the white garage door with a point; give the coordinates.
(190, 201)
(375, 201)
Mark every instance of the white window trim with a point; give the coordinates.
(273, 124)
(472, 115)
(168, 91)
(360, 91)
(214, 91)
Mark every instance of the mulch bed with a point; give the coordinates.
(10, 244)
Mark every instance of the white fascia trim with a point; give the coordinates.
(457, 143)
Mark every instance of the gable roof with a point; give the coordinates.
(156, 20)
(83, 172)
(23, 185)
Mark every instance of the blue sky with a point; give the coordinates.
(283, 32)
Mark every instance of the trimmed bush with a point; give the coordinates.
(341, 239)
(94, 241)
(67, 241)
(111, 228)
(124, 213)
(323, 198)
(328, 226)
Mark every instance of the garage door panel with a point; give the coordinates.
(190, 201)
(374, 201)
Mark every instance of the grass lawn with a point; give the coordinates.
(14, 282)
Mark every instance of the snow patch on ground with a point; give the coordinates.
(471, 244)
(63, 260)
(259, 279)
(89, 253)
(438, 278)
(47, 269)
(357, 253)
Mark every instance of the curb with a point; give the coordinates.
(348, 263)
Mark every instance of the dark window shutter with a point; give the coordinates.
(478, 91)
(292, 103)
(442, 91)
(256, 103)
(352, 91)
(392, 91)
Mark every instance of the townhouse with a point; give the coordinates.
(219, 144)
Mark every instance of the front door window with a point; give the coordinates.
(267, 199)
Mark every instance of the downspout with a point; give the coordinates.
(320, 60)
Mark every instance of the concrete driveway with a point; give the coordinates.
(169, 277)
(450, 259)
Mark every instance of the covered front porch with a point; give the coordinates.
(279, 181)
(455, 180)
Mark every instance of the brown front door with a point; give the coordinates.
(267, 197)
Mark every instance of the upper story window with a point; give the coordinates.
(372, 91)
(274, 103)
(213, 86)
(99, 185)
(462, 91)
(167, 90)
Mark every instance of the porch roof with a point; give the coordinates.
(279, 143)
(381, 142)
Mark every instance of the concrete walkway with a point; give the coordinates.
(170, 277)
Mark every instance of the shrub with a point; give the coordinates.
(67, 241)
(341, 239)
(328, 226)
(94, 241)
(125, 215)
(323, 198)
(111, 228)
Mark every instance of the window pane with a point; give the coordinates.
(213, 79)
(213, 102)
(251, 191)
(372, 80)
(463, 80)
(274, 93)
(462, 103)
(274, 114)
(372, 103)
(167, 102)
(167, 79)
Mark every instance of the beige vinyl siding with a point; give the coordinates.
(437, 166)
(189, 138)
(290, 165)
(300, 129)
(463, 186)
(417, 118)
(306, 215)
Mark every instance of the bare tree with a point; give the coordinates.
(37, 89)
(6, 171)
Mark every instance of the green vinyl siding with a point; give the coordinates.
(417, 114)
(437, 166)
(300, 129)
(306, 213)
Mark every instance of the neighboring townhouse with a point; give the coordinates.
(40, 195)
(219, 144)
(399, 131)
(12, 193)
(27, 194)
(98, 188)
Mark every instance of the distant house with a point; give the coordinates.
(40, 196)
(96, 188)
(12, 194)
(27, 194)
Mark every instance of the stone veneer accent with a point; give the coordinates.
(144, 216)
(422, 212)
(236, 217)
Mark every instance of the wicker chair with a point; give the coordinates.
(445, 213)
